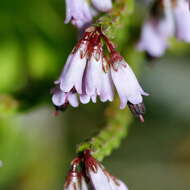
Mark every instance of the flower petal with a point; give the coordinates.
(74, 72)
(93, 97)
(165, 25)
(93, 76)
(84, 185)
(78, 12)
(151, 41)
(126, 84)
(66, 66)
(107, 91)
(98, 179)
(58, 98)
(182, 16)
(119, 186)
(72, 99)
(104, 5)
(84, 98)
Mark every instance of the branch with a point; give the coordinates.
(109, 138)
(118, 121)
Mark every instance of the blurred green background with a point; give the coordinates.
(36, 147)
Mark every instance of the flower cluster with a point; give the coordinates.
(168, 18)
(87, 173)
(80, 12)
(93, 69)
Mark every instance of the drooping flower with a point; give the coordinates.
(78, 12)
(62, 99)
(87, 173)
(182, 18)
(81, 12)
(157, 29)
(129, 89)
(107, 88)
(76, 178)
(151, 41)
(92, 82)
(73, 72)
(100, 178)
(95, 172)
(172, 20)
(73, 181)
(89, 74)
(103, 6)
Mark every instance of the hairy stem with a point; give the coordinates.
(109, 137)
(116, 19)
(118, 121)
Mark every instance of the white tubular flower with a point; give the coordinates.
(83, 184)
(151, 41)
(95, 172)
(73, 72)
(107, 88)
(129, 89)
(103, 6)
(73, 181)
(100, 179)
(156, 31)
(166, 25)
(91, 175)
(97, 82)
(89, 74)
(93, 74)
(78, 12)
(182, 18)
(62, 99)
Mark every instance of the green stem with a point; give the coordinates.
(118, 121)
(116, 19)
(109, 138)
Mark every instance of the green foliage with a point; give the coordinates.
(11, 78)
(8, 105)
(12, 151)
(34, 46)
